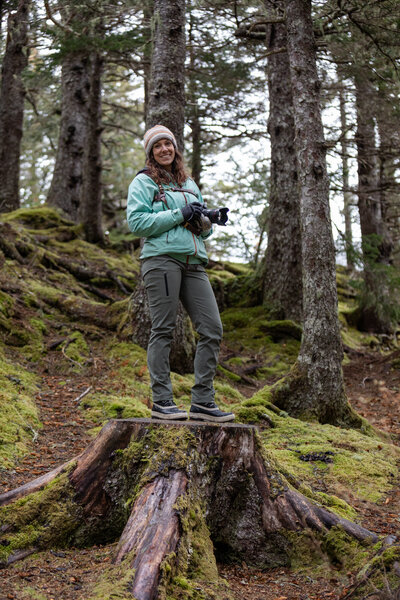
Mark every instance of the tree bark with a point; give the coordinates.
(148, 11)
(314, 388)
(90, 214)
(389, 149)
(66, 186)
(282, 263)
(189, 486)
(194, 120)
(376, 243)
(167, 87)
(12, 106)
(346, 184)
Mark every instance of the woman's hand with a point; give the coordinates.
(192, 213)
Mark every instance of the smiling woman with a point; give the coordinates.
(165, 206)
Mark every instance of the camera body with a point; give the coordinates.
(218, 216)
(206, 218)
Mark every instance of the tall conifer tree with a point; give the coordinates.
(12, 95)
(315, 387)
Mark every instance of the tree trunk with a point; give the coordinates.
(376, 244)
(12, 106)
(346, 184)
(314, 388)
(282, 263)
(148, 11)
(194, 120)
(90, 214)
(389, 149)
(66, 186)
(170, 492)
(167, 87)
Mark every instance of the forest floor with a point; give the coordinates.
(374, 391)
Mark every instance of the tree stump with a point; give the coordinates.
(176, 495)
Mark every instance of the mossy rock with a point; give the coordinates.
(37, 217)
(279, 330)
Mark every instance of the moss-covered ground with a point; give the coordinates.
(64, 312)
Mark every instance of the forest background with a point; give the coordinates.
(243, 86)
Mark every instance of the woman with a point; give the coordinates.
(165, 207)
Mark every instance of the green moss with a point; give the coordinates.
(77, 350)
(30, 592)
(181, 582)
(335, 504)
(276, 342)
(362, 466)
(18, 413)
(37, 289)
(344, 550)
(228, 374)
(34, 348)
(254, 414)
(192, 572)
(226, 394)
(115, 581)
(319, 554)
(6, 304)
(42, 519)
(40, 217)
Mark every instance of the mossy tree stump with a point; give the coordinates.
(177, 495)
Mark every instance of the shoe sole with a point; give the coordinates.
(171, 417)
(200, 417)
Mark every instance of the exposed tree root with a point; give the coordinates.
(166, 490)
(301, 399)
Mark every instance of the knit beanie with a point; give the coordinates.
(156, 133)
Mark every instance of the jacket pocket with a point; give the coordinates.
(166, 284)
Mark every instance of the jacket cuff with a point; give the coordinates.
(178, 216)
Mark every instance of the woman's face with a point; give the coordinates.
(164, 153)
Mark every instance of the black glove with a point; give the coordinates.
(192, 213)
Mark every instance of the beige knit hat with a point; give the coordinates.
(156, 133)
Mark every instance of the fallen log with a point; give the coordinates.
(170, 492)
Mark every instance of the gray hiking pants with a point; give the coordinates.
(167, 281)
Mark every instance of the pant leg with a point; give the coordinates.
(198, 299)
(162, 280)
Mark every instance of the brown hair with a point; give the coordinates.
(178, 173)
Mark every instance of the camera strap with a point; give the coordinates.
(160, 197)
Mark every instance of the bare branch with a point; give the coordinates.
(59, 24)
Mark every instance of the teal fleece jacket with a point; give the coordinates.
(161, 224)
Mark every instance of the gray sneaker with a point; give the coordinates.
(209, 412)
(167, 410)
